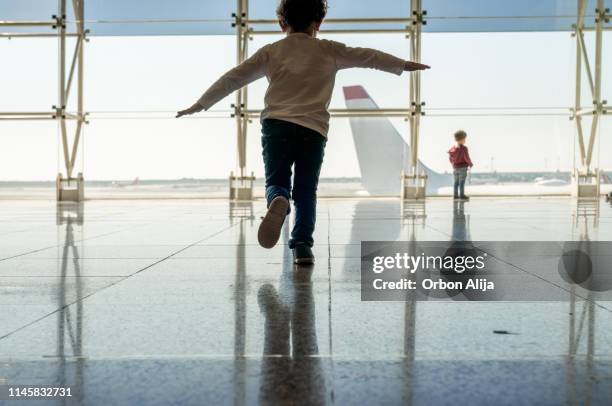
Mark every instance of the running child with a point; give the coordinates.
(301, 70)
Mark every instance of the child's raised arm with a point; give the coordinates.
(348, 57)
(240, 76)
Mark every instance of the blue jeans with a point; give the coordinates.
(460, 176)
(286, 145)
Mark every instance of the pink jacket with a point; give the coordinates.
(459, 156)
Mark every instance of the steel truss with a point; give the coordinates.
(414, 184)
(241, 185)
(586, 178)
(69, 187)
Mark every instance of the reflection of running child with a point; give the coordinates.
(301, 71)
(459, 156)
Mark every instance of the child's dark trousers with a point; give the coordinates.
(285, 146)
(459, 186)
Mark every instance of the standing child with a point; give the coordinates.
(459, 156)
(301, 71)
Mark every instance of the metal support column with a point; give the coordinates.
(414, 184)
(69, 187)
(586, 178)
(241, 185)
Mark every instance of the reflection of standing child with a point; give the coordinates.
(459, 156)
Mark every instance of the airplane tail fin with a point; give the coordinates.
(382, 153)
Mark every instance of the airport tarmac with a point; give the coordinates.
(158, 302)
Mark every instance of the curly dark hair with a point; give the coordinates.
(300, 14)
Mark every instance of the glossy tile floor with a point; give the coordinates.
(173, 302)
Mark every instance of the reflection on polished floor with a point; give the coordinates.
(173, 302)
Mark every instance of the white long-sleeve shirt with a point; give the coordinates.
(301, 71)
